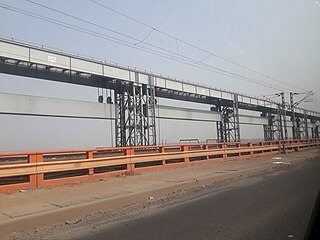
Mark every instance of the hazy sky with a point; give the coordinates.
(278, 38)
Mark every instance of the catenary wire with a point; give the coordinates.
(110, 38)
(119, 41)
(152, 45)
(192, 45)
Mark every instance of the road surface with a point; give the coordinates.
(276, 206)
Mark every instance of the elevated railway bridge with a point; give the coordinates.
(133, 105)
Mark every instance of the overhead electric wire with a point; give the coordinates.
(198, 48)
(180, 56)
(129, 44)
(141, 41)
(217, 70)
(191, 62)
(309, 94)
(152, 45)
(192, 45)
(79, 29)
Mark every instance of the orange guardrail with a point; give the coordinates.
(23, 170)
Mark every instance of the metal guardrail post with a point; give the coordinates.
(32, 158)
(250, 145)
(162, 150)
(186, 160)
(224, 146)
(130, 166)
(90, 156)
(205, 147)
(36, 180)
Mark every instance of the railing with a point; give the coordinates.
(22, 170)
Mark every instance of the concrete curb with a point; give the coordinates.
(81, 210)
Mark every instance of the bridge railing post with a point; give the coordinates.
(130, 166)
(250, 146)
(32, 158)
(36, 180)
(186, 160)
(224, 148)
(205, 147)
(90, 156)
(162, 150)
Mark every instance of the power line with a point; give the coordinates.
(129, 44)
(306, 97)
(192, 45)
(191, 62)
(143, 40)
(152, 45)
(132, 38)
(218, 70)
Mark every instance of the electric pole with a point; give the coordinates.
(293, 119)
(284, 113)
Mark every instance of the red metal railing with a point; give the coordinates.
(21, 170)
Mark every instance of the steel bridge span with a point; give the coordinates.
(133, 106)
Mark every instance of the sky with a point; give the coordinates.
(280, 39)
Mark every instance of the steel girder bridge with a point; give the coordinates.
(133, 107)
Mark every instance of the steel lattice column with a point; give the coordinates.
(150, 113)
(316, 132)
(314, 129)
(306, 130)
(293, 117)
(273, 130)
(298, 129)
(228, 129)
(268, 129)
(284, 114)
(124, 103)
(236, 121)
(302, 128)
(135, 115)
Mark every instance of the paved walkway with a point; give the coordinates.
(31, 208)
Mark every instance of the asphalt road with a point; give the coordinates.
(276, 206)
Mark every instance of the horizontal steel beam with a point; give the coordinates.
(169, 112)
(18, 104)
(47, 63)
(253, 120)
(43, 106)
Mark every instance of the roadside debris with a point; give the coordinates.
(284, 163)
(151, 197)
(69, 222)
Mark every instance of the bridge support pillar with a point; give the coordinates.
(228, 129)
(272, 130)
(314, 129)
(135, 114)
(302, 128)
